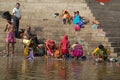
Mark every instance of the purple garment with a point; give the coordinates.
(77, 51)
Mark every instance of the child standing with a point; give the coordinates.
(10, 27)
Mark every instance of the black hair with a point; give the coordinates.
(18, 4)
(101, 47)
(76, 43)
(6, 15)
(66, 12)
(77, 12)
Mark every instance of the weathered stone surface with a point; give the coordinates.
(108, 15)
(39, 15)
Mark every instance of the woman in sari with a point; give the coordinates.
(78, 19)
(50, 47)
(101, 53)
(77, 50)
(64, 46)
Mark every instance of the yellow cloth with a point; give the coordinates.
(26, 42)
(73, 46)
(94, 52)
(100, 53)
(26, 51)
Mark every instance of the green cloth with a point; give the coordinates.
(95, 26)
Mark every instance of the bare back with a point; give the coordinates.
(10, 27)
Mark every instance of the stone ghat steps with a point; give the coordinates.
(112, 30)
(114, 39)
(114, 23)
(115, 44)
(48, 32)
(44, 5)
(54, 35)
(46, 1)
(115, 28)
(113, 34)
(38, 20)
(116, 49)
(66, 30)
(111, 5)
(109, 18)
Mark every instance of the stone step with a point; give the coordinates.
(115, 44)
(116, 49)
(112, 31)
(46, 1)
(43, 6)
(114, 39)
(113, 35)
(67, 28)
(106, 25)
(110, 23)
(111, 28)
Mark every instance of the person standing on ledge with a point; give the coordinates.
(16, 18)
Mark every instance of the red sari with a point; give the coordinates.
(50, 46)
(65, 44)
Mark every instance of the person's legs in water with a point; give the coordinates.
(7, 48)
(105, 57)
(66, 56)
(13, 48)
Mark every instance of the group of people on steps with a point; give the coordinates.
(64, 50)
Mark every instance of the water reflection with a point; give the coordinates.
(18, 68)
(11, 69)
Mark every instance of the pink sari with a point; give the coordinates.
(77, 51)
(50, 45)
(10, 37)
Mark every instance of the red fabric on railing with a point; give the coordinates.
(103, 0)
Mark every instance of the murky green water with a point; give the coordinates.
(18, 68)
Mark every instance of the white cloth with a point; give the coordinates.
(16, 12)
(31, 55)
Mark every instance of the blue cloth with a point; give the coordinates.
(78, 20)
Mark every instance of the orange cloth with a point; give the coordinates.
(57, 54)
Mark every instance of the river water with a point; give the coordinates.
(18, 68)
